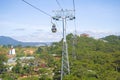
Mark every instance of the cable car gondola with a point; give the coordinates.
(54, 29)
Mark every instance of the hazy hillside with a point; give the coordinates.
(10, 41)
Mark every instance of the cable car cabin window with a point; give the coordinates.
(54, 29)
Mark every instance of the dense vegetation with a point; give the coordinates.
(96, 59)
(93, 59)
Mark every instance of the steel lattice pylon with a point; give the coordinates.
(64, 15)
(65, 69)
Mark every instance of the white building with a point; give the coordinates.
(12, 51)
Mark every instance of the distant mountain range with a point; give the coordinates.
(10, 41)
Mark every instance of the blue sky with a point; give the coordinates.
(24, 23)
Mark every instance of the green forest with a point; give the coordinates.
(91, 59)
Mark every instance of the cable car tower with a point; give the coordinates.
(64, 16)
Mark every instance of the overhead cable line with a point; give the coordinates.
(36, 8)
(59, 4)
(56, 13)
(73, 5)
(74, 15)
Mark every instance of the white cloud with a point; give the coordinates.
(40, 37)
